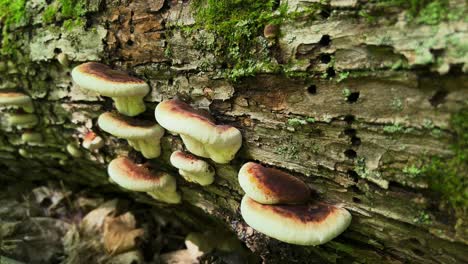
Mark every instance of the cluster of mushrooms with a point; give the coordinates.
(275, 203)
(19, 113)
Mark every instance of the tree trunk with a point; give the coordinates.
(356, 98)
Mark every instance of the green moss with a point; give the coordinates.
(449, 177)
(412, 170)
(12, 12)
(342, 76)
(346, 93)
(429, 12)
(70, 10)
(48, 15)
(236, 26)
(396, 128)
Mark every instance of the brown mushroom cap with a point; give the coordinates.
(129, 128)
(200, 134)
(310, 224)
(138, 177)
(271, 186)
(106, 81)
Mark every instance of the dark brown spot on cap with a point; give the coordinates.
(278, 184)
(312, 212)
(105, 72)
(186, 156)
(128, 121)
(136, 171)
(182, 108)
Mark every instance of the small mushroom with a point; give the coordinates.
(16, 100)
(310, 224)
(92, 142)
(140, 178)
(126, 91)
(21, 120)
(143, 136)
(271, 186)
(74, 150)
(271, 31)
(192, 168)
(200, 134)
(32, 138)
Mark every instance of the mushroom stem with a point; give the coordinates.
(130, 105)
(172, 197)
(200, 178)
(149, 147)
(221, 154)
(194, 146)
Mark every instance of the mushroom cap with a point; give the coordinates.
(129, 128)
(104, 80)
(92, 141)
(310, 224)
(136, 177)
(271, 186)
(190, 163)
(14, 98)
(181, 118)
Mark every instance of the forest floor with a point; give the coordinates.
(53, 223)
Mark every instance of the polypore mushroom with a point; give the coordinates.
(16, 100)
(200, 134)
(142, 135)
(74, 150)
(309, 224)
(21, 120)
(271, 186)
(140, 178)
(32, 137)
(91, 141)
(126, 91)
(192, 168)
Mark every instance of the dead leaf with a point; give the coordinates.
(94, 220)
(120, 234)
(182, 256)
(131, 257)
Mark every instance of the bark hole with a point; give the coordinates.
(438, 98)
(350, 154)
(349, 119)
(353, 175)
(312, 89)
(325, 40)
(353, 97)
(351, 132)
(355, 141)
(331, 72)
(325, 58)
(356, 200)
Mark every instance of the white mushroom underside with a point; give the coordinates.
(219, 153)
(293, 232)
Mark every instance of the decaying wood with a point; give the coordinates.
(344, 153)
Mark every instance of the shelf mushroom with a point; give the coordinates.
(309, 224)
(142, 135)
(21, 120)
(126, 91)
(16, 100)
(91, 141)
(200, 134)
(271, 186)
(136, 177)
(192, 168)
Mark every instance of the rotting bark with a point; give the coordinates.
(358, 103)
